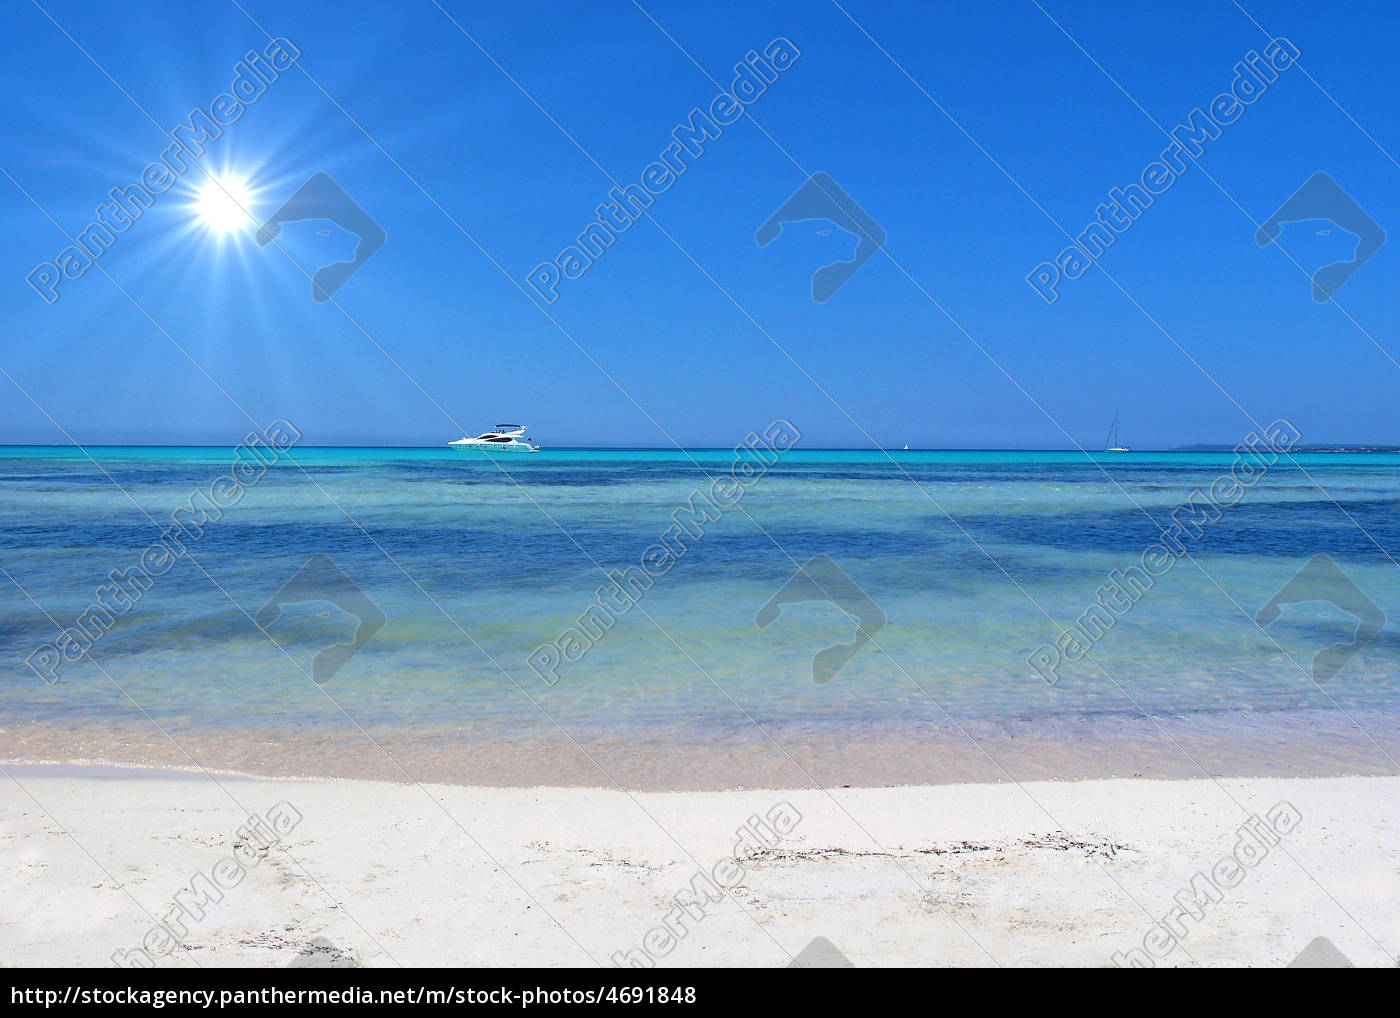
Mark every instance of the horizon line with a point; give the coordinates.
(1196, 447)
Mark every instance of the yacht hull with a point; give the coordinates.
(493, 448)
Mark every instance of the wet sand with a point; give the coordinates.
(1075, 748)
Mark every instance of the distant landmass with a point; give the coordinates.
(1207, 447)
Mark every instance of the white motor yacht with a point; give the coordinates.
(501, 438)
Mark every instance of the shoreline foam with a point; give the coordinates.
(1072, 748)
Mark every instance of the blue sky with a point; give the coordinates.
(686, 319)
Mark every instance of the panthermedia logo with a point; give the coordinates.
(821, 954)
(1322, 198)
(321, 198)
(1321, 579)
(821, 579)
(320, 580)
(821, 198)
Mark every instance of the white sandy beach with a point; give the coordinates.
(380, 874)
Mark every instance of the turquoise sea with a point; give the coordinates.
(475, 564)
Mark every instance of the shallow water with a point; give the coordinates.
(973, 558)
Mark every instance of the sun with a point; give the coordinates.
(224, 204)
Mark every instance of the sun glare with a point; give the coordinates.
(224, 204)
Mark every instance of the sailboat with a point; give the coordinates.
(1111, 442)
